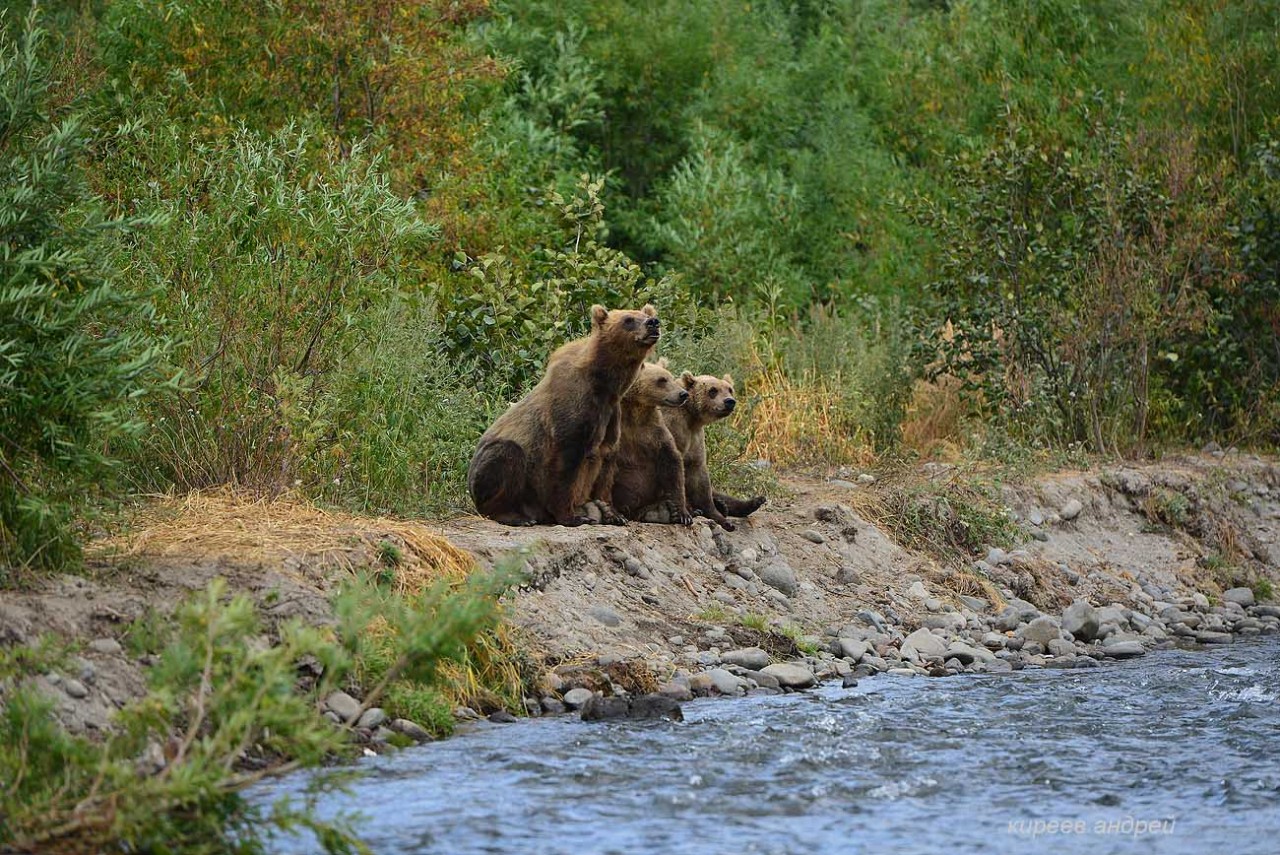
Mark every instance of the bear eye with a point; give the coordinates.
(662, 381)
(629, 323)
(713, 393)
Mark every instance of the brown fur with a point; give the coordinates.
(553, 451)
(650, 468)
(710, 399)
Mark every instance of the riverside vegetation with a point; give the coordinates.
(318, 246)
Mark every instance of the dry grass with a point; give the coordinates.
(798, 422)
(934, 421)
(311, 544)
(243, 529)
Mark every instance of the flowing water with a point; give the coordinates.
(1177, 752)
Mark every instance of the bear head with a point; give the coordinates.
(633, 328)
(656, 386)
(711, 398)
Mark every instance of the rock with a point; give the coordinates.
(1209, 637)
(605, 615)
(1061, 647)
(724, 682)
(918, 591)
(551, 706)
(1124, 649)
(866, 479)
(993, 641)
(108, 646)
(976, 604)
(779, 576)
(1040, 631)
(752, 658)
(1035, 517)
(925, 644)
(967, 654)
(997, 556)
(576, 698)
(343, 705)
(840, 482)
(812, 536)
(849, 682)
(1085, 662)
(1239, 596)
(790, 676)
(635, 567)
(602, 709)
(413, 730)
(676, 690)
(762, 680)
(655, 707)
(74, 688)
(949, 621)
(465, 714)
(1081, 620)
(1071, 510)
(850, 648)
(372, 717)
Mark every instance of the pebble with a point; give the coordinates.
(411, 729)
(676, 690)
(343, 705)
(1081, 620)
(1125, 649)
(1240, 596)
(1071, 510)
(790, 676)
(753, 658)
(74, 688)
(925, 644)
(551, 706)
(724, 682)
(812, 536)
(108, 646)
(850, 648)
(1208, 637)
(780, 577)
(372, 717)
(605, 615)
(866, 479)
(1035, 517)
(576, 698)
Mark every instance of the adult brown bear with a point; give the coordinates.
(710, 399)
(552, 452)
(650, 470)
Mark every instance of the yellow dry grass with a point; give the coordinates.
(797, 422)
(304, 541)
(244, 529)
(934, 421)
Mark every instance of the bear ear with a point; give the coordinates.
(662, 363)
(649, 310)
(726, 378)
(598, 315)
(687, 379)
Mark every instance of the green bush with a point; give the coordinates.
(76, 344)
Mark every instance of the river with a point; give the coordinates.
(1176, 752)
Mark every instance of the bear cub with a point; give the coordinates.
(650, 470)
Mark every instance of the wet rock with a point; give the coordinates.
(411, 729)
(1210, 637)
(1081, 620)
(107, 646)
(576, 698)
(850, 648)
(605, 615)
(1040, 631)
(677, 690)
(1239, 596)
(655, 707)
(372, 717)
(1071, 510)
(924, 644)
(1085, 662)
(967, 654)
(779, 576)
(762, 680)
(552, 706)
(343, 705)
(849, 682)
(1125, 649)
(748, 657)
(790, 676)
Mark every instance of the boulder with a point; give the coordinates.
(780, 576)
(752, 658)
(790, 676)
(576, 698)
(1040, 631)
(1239, 596)
(925, 644)
(1081, 620)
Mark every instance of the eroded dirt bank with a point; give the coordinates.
(817, 578)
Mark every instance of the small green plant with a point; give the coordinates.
(801, 639)
(1167, 507)
(148, 634)
(714, 613)
(390, 554)
(754, 620)
(949, 519)
(1263, 591)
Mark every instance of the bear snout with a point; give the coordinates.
(729, 404)
(683, 396)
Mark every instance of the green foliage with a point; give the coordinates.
(950, 519)
(74, 342)
(222, 713)
(1263, 591)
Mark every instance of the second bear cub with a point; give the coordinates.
(650, 469)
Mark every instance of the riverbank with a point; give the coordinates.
(835, 579)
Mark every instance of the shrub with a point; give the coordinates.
(75, 341)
